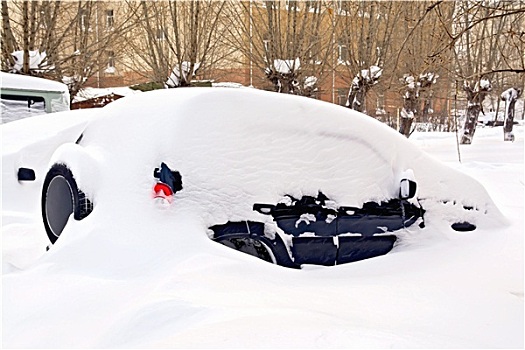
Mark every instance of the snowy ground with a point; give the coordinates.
(444, 290)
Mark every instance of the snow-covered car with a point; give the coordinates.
(23, 96)
(287, 179)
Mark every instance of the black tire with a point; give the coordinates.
(61, 198)
(250, 246)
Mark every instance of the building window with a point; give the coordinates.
(343, 55)
(380, 104)
(160, 34)
(314, 51)
(111, 59)
(267, 48)
(111, 62)
(342, 96)
(110, 19)
(83, 19)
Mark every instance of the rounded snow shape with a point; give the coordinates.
(61, 198)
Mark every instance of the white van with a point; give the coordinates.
(23, 96)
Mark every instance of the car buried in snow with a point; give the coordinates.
(287, 179)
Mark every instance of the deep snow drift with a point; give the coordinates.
(136, 275)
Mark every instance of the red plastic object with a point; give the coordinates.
(161, 190)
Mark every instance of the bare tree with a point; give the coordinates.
(365, 36)
(93, 43)
(487, 46)
(421, 32)
(411, 99)
(8, 42)
(173, 40)
(475, 96)
(288, 43)
(57, 39)
(510, 96)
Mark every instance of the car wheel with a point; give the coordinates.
(60, 198)
(250, 246)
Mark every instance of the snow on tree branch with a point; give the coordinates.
(176, 79)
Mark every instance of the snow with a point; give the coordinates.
(510, 94)
(411, 83)
(372, 74)
(56, 100)
(36, 58)
(227, 84)
(485, 84)
(18, 81)
(12, 110)
(175, 77)
(310, 82)
(90, 92)
(286, 66)
(407, 114)
(135, 275)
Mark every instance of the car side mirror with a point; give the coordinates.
(407, 189)
(26, 174)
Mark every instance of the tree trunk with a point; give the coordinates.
(410, 104)
(8, 39)
(475, 97)
(408, 112)
(470, 123)
(510, 96)
(406, 124)
(356, 98)
(25, 19)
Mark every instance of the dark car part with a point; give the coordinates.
(310, 214)
(169, 177)
(463, 226)
(249, 237)
(329, 251)
(26, 174)
(323, 235)
(61, 198)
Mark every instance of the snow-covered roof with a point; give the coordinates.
(25, 82)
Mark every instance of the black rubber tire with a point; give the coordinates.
(61, 198)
